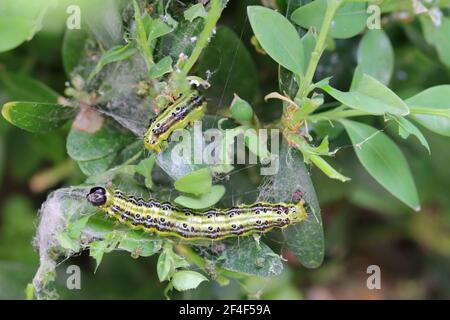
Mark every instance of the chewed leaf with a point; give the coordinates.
(326, 168)
(161, 68)
(305, 239)
(139, 245)
(114, 54)
(250, 257)
(406, 128)
(195, 11)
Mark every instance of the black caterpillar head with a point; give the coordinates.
(97, 196)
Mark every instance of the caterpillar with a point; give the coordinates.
(185, 110)
(166, 219)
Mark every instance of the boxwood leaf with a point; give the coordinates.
(369, 95)
(37, 117)
(206, 200)
(14, 31)
(376, 56)
(350, 19)
(278, 37)
(385, 162)
(85, 146)
(23, 88)
(187, 280)
(431, 108)
(196, 182)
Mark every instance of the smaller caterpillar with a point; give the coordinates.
(184, 111)
(166, 219)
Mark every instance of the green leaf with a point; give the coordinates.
(115, 54)
(247, 256)
(85, 146)
(73, 49)
(385, 162)
(139, 246)
(97, 250)
(438, 36)
(195, 11)
(68, 243)
(406, 128)
(206, 200)
(29, 292)
(431, 109)
(241, 110)
(161, 68)
(376, 56)
(309, 43)
(326, 168)
(187, 280)
(196, 182)
(14, 31)
(164, 265)
(97, 166)
(20, 87)
(37, 117)
(157, 28)
(369, 95)
(74, 228)
(145, 168)
(350, 19)
(234, 69)
(278, 37)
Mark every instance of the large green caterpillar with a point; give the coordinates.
(184, 111)
(166, 219)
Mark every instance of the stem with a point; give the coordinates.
(133, 158)
(142, 37)
(210, 23)
(304, 89)
(51, 177)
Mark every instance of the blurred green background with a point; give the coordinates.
(363, 224)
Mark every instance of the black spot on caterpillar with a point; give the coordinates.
(166, 219)
(184, 111)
